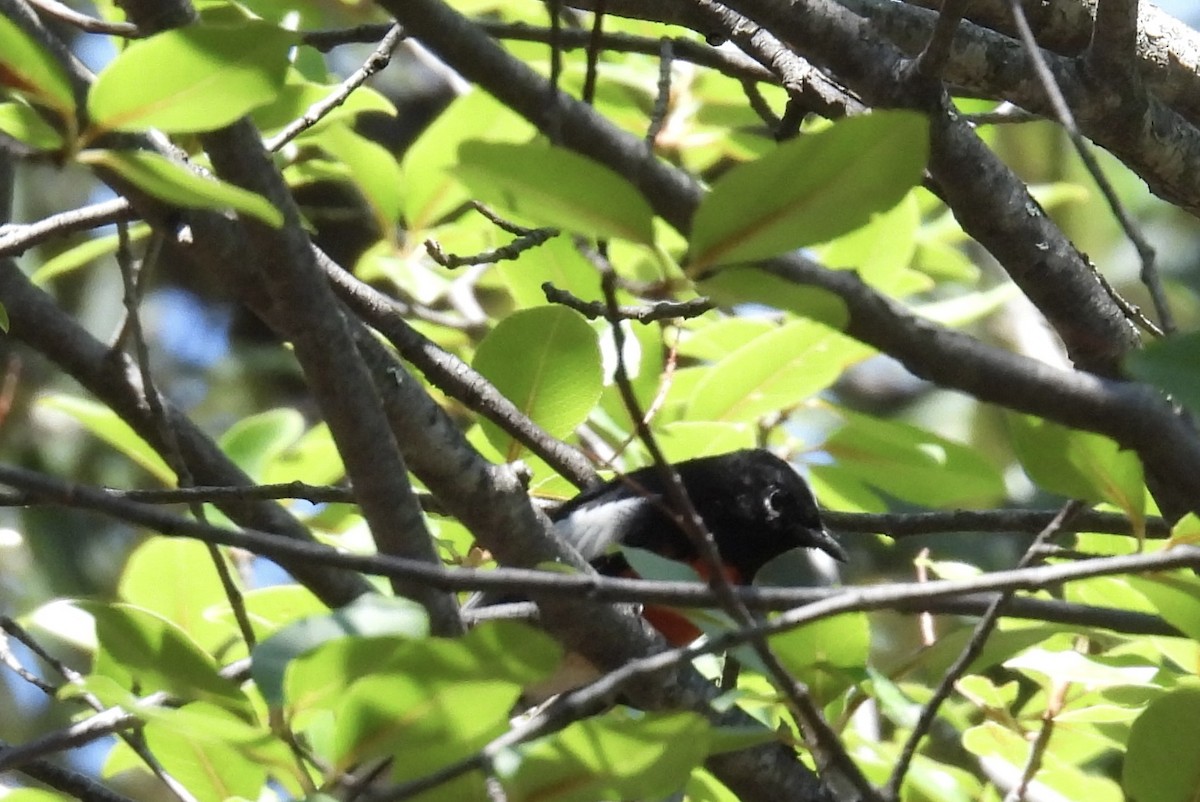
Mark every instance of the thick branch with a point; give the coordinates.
(306, 312)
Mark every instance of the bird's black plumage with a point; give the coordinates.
(753, 503)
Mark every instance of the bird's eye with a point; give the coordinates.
(773, 503)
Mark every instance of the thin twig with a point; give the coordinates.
(1037, 751)
(326, 40)
(662, 98)
(554, 124)
(109, 721)
(75, 784)
(731, 63)
(133, 279)
(594, 46)
(378, 59)
(510, 252)
(500, 222)
(662, 310)
(894, 525)
(63, 13)
(937, 50)
(9, 658)
(762, 108)
(15, 239)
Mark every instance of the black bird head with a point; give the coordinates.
(756, 506)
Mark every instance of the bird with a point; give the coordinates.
(752, 502)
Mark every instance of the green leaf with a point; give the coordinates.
(212, 753)
(1173, 364)
(1080, 465)
(1006, 641)
(811, 189)
(827, 655)
(556, 187)
(547, 362)
(197, 78)
(430, 192)
(557, 261)
(1085, 671)
(773, 372)
(174, 183)
(175, 578)
(105, 424)
(714, 341)
(83, 254)
(682, 440)
(271, 608)
(254, 441)
(619, 755)
(881, 250)
(430, 723)
(373, 170)
(24, 124)
(1162, 762)
(3, 319)
(437, 699)
(913, 464)
(962, 310)
(138, 646)
(32, 73)
(312, 458)
(1175, 597)
(369, 616)
(34, 795)
(746, 284)
(1064, 780)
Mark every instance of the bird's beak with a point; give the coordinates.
(826, 543)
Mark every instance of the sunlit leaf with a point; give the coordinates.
(1175, 597)
(547, 362)
(28, 70)
(215, 756)
(430, 191)
(912, 463)
(173, 183)
(1172, 363)
(556, 187)
(810, 189)
(175, 578)
(367, 616)
(254, 441)
(746, 284)
(196, 78)
(1080, 464)
(84, 254)
(774, 372)
(827, 655)
(298, 95)
(1162, 761)
(614, 756)
(105, 424)
(24, 124)
(372, 170)
(155, 655)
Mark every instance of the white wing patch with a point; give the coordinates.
(592, 528)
